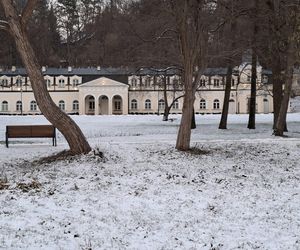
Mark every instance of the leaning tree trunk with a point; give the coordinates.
(184, 133)
(223, 121)
(281, 121)
(75, 138)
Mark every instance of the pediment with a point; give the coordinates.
(103, 82)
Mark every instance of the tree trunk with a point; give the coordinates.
(75, 138)
(184, 133)
(167, 109)
(252, 103)
(193, 125)
(277, 90)
(166, 113)
(223, 122)
(281, 121)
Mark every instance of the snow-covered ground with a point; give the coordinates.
(238, 189)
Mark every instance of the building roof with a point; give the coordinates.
(72, 71)
(119, 71)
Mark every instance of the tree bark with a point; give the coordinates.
(193, 124)
(281, 121)
(223, 121)
(74, 136)
(166, 109)
(184, 133)
(252, 103)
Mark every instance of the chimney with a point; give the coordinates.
(44, 69)
(98, 68)
(69, 69)
(13, 68)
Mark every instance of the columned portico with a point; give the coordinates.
(109, 96)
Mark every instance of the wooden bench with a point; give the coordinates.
(31, 131)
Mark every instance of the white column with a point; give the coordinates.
(97, 105)
(110, 105)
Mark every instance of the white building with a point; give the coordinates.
(106, 91)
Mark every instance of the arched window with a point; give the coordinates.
(33, 106)
(176, 105)
(61, 104)
(147, 104)
(134, 104)
(161, 104)
(75, 105)
(4, 106)
(216, 104)
(202, 104)
(19, 106)
(61, 83)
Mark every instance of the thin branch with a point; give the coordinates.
(27, 11)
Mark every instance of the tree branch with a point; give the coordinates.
(27, 11)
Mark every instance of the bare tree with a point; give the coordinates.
(252, 101)
(292, 17)
(232, 31)
(16, 25)
(192, 21)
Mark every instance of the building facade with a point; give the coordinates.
(116, 91)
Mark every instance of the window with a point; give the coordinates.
(248, 78)
(133, 104)
(202, 104)
(147, 104)
(33, 106)
(176, 104)
(216, 104)
(61, 83)
(148, 82)
(75, 105)
(216, 83)
(175, 83)
(117, 105)
(61, 105)
(232, 83)
(202, 83)
(161, 104)
(48, 83)
(4, 82)
(91, 103)
(19, 82)
(4, 106)
(19, 106)
(75, 82)
(133, 82)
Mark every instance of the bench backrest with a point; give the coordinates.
(19, 131)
